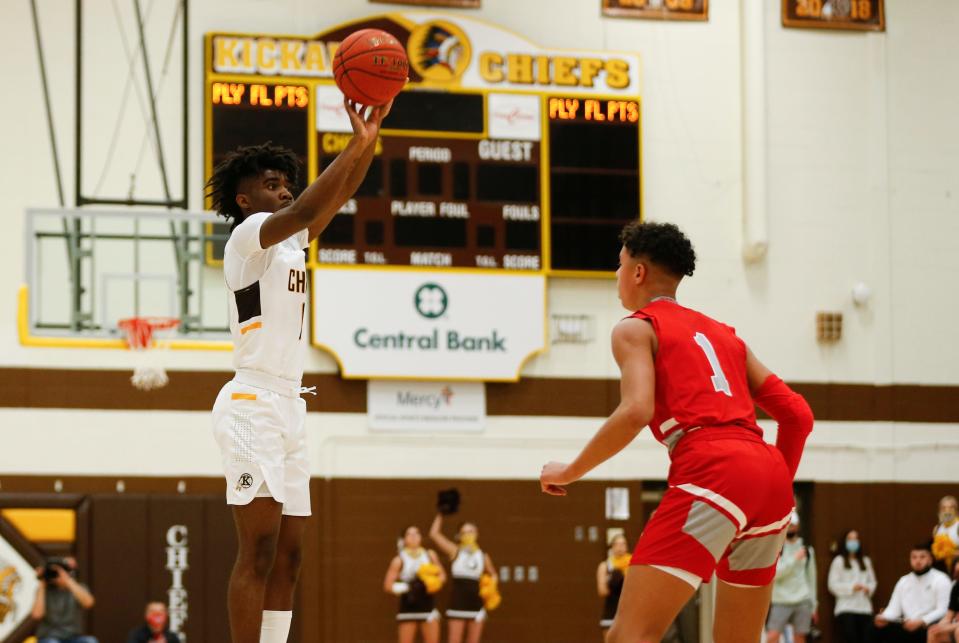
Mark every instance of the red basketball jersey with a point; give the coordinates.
(700, 373)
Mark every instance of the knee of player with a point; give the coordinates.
(264, 553)
(292, 558)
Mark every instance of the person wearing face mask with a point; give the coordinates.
(155, 628)
(947, 629)
(466, 613)
(794, 589)
(945, 535)
(852, 581)
(919, 599)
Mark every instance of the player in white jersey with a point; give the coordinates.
(258, 416)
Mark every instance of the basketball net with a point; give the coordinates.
(148, 372)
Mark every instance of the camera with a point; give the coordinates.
(50, 573)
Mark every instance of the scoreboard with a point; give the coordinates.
(498, 155)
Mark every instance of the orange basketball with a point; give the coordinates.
(370, 67)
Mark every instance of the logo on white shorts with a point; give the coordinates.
(245, 482)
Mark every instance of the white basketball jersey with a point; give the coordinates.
(468, 564)
(267, 301)
(412, 564)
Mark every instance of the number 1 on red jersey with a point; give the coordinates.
(720, 383)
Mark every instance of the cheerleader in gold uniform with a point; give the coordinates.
(415, 575)
(609, 579)
(474, 582)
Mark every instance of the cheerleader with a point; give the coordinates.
(472, 592)
(609, 578)
(945, 535)
(415, 575)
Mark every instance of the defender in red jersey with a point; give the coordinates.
(696, 385)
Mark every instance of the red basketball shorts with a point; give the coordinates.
(726, 510)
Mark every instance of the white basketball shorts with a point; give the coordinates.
(262, 441)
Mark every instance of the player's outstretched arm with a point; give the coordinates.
(787, 407)
(322, 199)
(633, 341)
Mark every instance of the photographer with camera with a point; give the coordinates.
(60, 602)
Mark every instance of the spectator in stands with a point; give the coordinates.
(155, 627)
(60, 603)
(852, 581)
(919, 599)
(794, 588)
(945, 535)
(947, 629)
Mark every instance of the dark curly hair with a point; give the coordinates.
(245, 162)
(663, 243)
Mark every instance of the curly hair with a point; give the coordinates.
(663, 243)
(245, 162)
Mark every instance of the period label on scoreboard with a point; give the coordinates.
(429, 325)
(855, 15)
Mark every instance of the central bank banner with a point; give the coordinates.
(416, 324)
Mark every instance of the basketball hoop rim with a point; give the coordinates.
(139, 330)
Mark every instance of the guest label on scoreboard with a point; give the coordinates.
(429, 325)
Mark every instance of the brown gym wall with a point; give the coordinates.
(353, 532)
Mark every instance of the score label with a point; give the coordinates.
(260, 95)
(592, 109)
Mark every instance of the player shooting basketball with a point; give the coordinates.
(258, 416)
(695, 383)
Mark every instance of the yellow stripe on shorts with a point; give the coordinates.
(243, 396)
(253, 326)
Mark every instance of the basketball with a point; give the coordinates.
(370, 67)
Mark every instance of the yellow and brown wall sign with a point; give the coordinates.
(449, 51)
(658, 9)
(847, 15)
